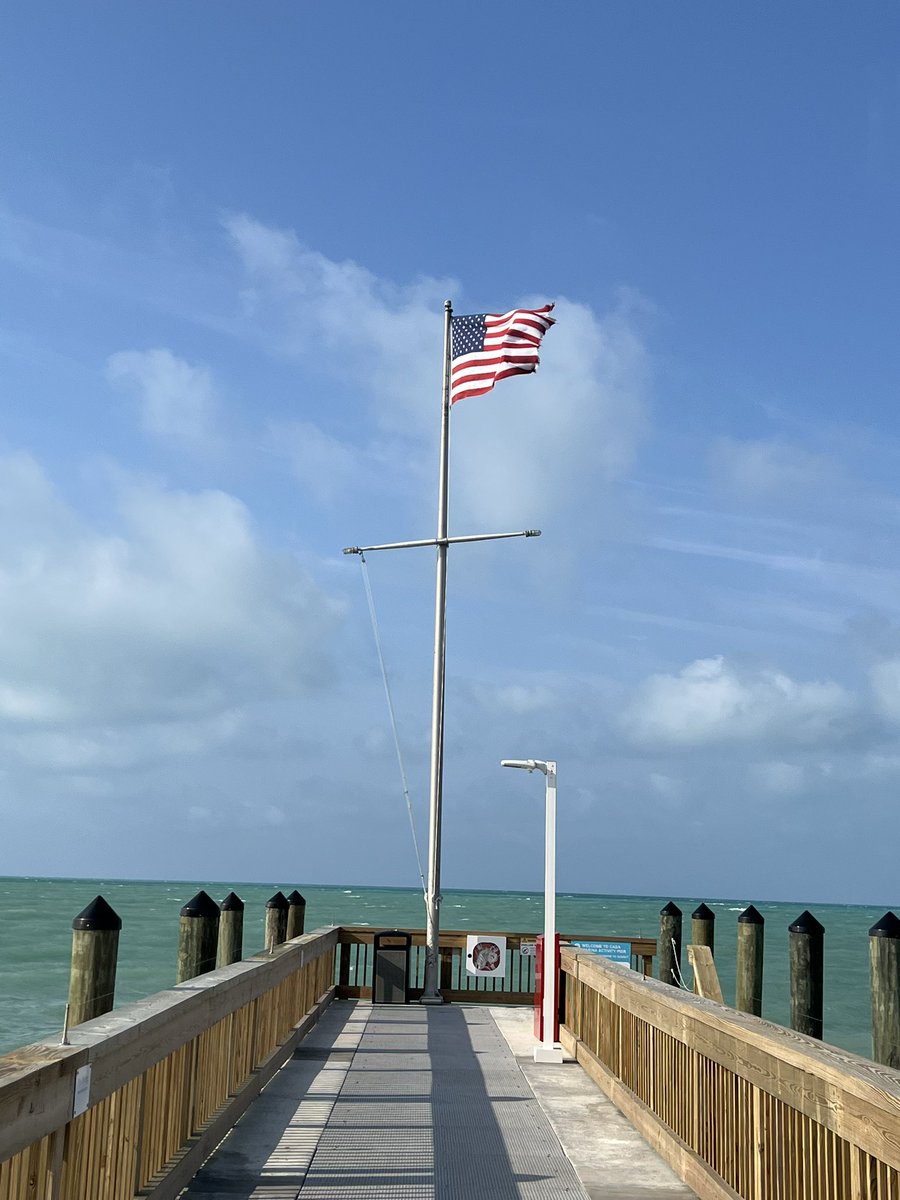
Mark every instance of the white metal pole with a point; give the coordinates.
(431, 993)
(548, 1051)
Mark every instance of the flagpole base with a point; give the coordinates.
(432, 1001)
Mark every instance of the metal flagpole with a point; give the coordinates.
(431, 993)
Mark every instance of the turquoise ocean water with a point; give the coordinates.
(36, 923)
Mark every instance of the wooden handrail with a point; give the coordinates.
(166, 1076)
(739, 1106)
(640, 946)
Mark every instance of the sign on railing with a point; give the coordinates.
(486, 955)
(619, 952)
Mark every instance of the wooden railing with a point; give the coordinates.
(163, 1079)
(356, 960)
(739, 1107)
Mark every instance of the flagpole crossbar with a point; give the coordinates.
(450, 541)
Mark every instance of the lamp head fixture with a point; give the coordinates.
(525, 764)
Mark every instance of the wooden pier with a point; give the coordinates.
(739, 1107)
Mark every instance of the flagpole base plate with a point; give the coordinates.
(432, 1000)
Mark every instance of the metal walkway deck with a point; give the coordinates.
(395, 1103)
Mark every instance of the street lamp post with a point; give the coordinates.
(547, 1050)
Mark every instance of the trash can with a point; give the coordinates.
(390, 976)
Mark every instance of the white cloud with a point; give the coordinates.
(330, 469)
(781, 779)
(769, 469)
(176, 400)
(343, 319)
(323, 464)
(669, 790)
(549, 442)
(529, 449)
(885, 679)
(145, 641)
(521, 699)
(712, 701)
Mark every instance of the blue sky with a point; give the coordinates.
(226, 236)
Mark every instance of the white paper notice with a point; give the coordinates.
(82, 1090)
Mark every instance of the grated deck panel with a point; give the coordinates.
(398, 1103)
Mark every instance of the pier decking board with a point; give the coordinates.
(401, 1103)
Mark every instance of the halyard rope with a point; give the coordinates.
(390, 704)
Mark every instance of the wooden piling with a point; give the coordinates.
(703, 928)
(231, 930)
(198, 937)
(806, 940)
(703, 932)
(296, 917)
(95, 950)
(884, 965)
(670, 921)
(751, 932)
(276, 920)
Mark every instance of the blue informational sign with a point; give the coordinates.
(619, 952)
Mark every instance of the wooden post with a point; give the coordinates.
(703, 928)
(296, 917)
(884, 964)
(276, 920)
(95, 950)
(751, 932)
(231, 930)
(670, 919)
(806, 938)
(198, 937)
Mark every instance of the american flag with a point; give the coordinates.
(491, 346)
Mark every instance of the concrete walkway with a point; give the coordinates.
(611, 1158)
(415, 1103)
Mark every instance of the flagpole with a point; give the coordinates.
(521, 332)
(431, 992)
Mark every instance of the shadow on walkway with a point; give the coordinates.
(433, 1106)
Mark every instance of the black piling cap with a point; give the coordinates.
(703, 913)
(279, 900)
(887, 927)
(232, 903)
(295, 899)
(751, 916)
(202, 905)
(671, 910)
(98, 916)
(806, 923)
